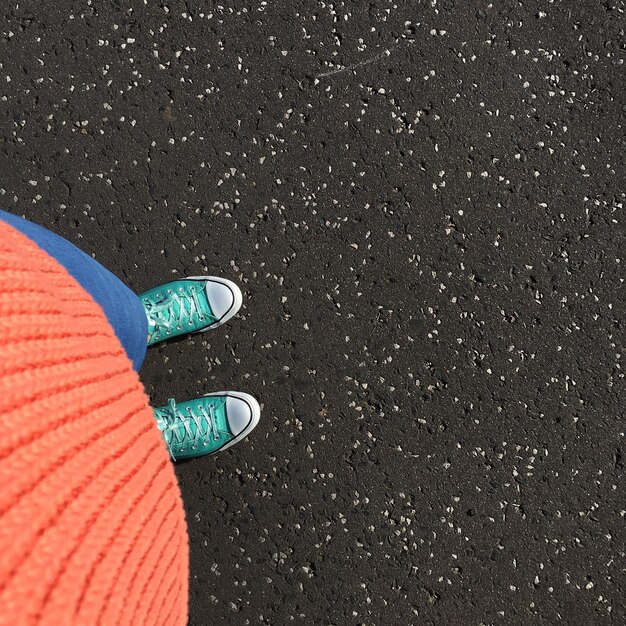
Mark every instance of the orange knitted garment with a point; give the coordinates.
(92, 528)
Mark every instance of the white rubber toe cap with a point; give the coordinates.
(224, 297)
(242, 412)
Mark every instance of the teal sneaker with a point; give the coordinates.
(190, 305)
(208, 424)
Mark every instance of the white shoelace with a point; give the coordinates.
(173, 418)
(160, 316)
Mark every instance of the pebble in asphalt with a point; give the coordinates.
(424, 206)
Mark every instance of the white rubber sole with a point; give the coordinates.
(237, 299)
(255, 411)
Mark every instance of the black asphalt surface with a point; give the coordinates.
(423, 203)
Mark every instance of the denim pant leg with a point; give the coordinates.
(121, 306)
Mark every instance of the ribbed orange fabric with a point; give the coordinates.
(92, 528)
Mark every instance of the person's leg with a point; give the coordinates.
(122, 307)
(193, 428)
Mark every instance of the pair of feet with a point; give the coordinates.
(216, 421)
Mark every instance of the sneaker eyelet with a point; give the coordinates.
(194, 447)
(190, 323)
(178, 327)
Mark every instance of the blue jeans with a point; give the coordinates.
(122, 307)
